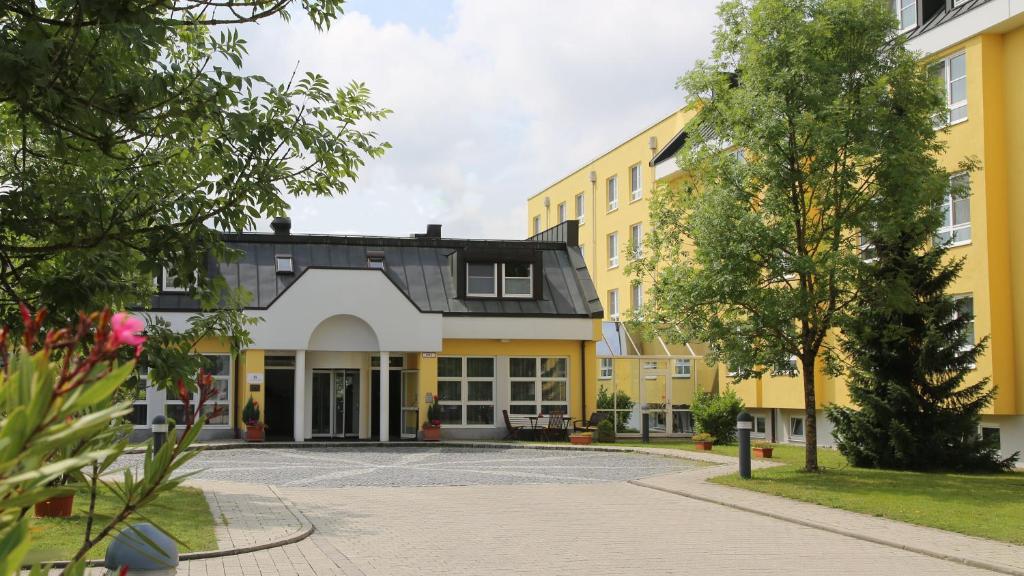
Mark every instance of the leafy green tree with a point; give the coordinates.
(619, 405)
(801, 106)
(912, 349)
(130, 138)
(715, 414)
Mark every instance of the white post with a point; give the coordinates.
(300, 396)
(385, 394)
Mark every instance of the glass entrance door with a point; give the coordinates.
(410, 403)
(335, 402)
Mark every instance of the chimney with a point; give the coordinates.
(281, 225)
(433, 230)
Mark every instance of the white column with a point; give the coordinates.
(385, 394)
(300, 396)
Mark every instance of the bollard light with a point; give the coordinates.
(159, 429)
(744, 425)
(646, 427)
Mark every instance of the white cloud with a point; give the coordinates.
(515, 95)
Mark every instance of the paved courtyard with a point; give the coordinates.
(386, 511)
(418, 466)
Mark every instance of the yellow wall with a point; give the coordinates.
(249, 362)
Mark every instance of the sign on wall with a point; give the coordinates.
(254, 378)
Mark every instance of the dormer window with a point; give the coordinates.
(906, 13)
(517, 281)
(170, 282)
(375, 260)
(482, 280)
(283, 263)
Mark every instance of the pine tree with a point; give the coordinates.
(912, 352)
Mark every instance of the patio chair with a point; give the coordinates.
(512, 432)
(591, 423)
(557, 428)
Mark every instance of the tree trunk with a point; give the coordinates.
(810, 419)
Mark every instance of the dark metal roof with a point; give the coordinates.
(418, 266)
(670, 149)
(943, 16)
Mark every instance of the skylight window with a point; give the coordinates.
(283, 263)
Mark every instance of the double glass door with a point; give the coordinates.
(336, 402)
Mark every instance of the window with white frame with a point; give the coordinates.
(613, 192)
(760, 426)
(952, 72)
(375, 261)
(562, 212)
(140, 405)
(613, 304)
(682, 368)
(170, 283)
(956, 212)
(465, 390)
(788, 368)
(538, 385)
(613, 250)
(650, 364)
(607, 369)
(796, 426)
(283, 264)
(536, 224)
(636, 241)
(517, 280)
(636, 296)
(965, 307)
(581, 207)
(481, 279)
(989, 432)
(906, 13)
(635, 183)
(219, 367)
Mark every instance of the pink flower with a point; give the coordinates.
(125, 329)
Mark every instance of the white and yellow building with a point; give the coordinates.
(976, 49)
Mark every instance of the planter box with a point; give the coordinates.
(581, 439)
(430, 434)
(763, 452)
(702, 445)
(254, 433)
(56, 507)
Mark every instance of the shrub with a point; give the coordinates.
(703, 437)
(618, 405)
(251, 412)
(606, 431)
(716, 414)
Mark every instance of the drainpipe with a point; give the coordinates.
(593, 225)
(583, 379)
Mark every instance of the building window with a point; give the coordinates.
(796, 426)
(952, 72)
(140, 406)
(635, 183)
(965, 307)
(218, 366)
(517, 280)
(956, 212)
(788, 368)
(613, 250)
(989, 432)
(613, 304)
(760, 426)
(682, 368)
(581, 207)
(562, 213)
(375, 259)
(636, 299)
(606, 369)
(283, 263)
(481, 280)
(536, 225)
(636, 241)
(906, 13)
(170, 282)
(613, 193)
(465, 390)
(538, 385)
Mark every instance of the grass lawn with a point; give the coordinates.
(986, 505)
(183, 512)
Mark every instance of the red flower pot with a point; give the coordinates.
(56, 507)
(581, 439)
(702, 445)
(254, 433)
(763, 452)
(431, 434)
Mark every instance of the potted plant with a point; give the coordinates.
(606, 431)
(432, 427)
(581, 438)
(703, 441)
(251, 417)
(763, 449)
(59, 506)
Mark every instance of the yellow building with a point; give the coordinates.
(976, 48)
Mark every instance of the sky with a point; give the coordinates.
(493, 100)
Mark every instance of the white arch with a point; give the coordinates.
(344, 332)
